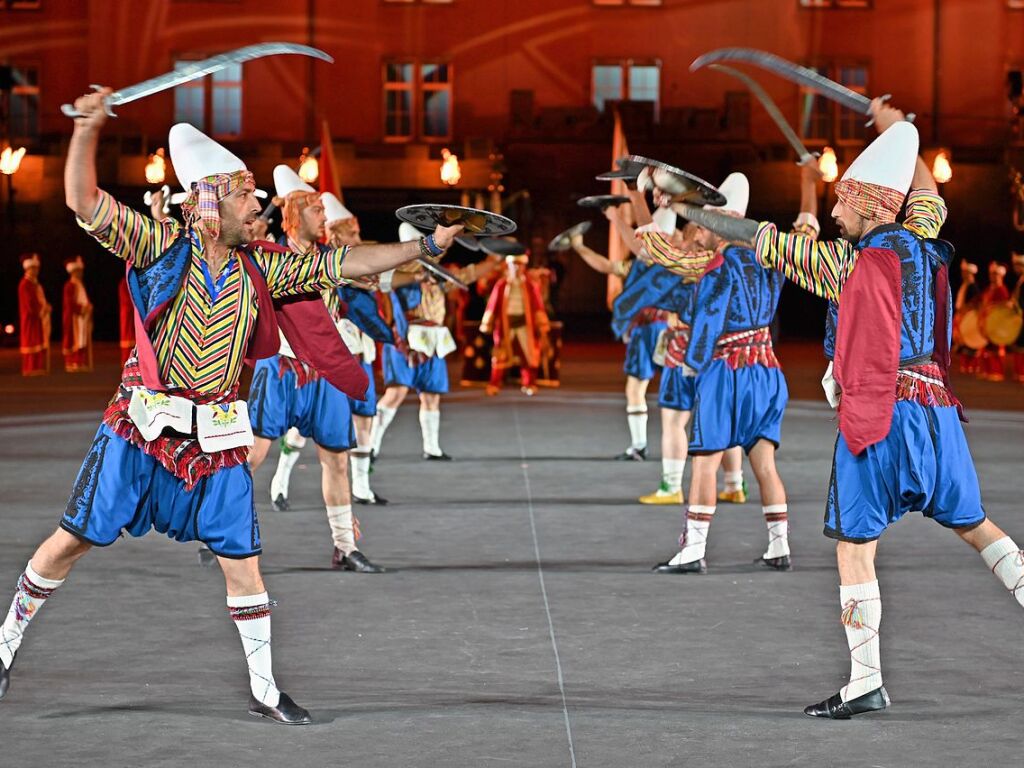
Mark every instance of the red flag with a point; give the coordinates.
(617, 250)
(328, 168)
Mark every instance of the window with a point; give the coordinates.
(417, 101)
(212, 104)
(632, 80)
(23, 107)
(836, 3)
(826, 121)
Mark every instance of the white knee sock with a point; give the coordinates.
(693, 542)
(251, 614)
(734, 480)
(344, 527)
(29, 597)
(290, 452)
(776, 517)
(1006, 561)
(862, 615)
(381, 422)
(359, 460)
(636, 416)
(430, 426)
(672, 474)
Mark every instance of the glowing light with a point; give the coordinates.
(156, 168)
(9, 329)
(941, 169)
(309, 168)
(828, 165)
(10, 160)
(451, 171)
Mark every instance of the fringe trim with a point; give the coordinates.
(747, 348)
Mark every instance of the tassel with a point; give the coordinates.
(851, 616)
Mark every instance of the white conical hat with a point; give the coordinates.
(286, 181)
(334, 209)
(736, 189)
(194, 156)
(665, 218)
(889, 160)
(407, 232)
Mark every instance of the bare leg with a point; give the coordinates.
(982, 535)
(56, 556)
(334, 477)
(762, 462)
(258, 452)
(673, 458)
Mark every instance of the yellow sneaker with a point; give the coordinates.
(662, 496)
(739, 496)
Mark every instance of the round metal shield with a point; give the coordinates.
(683, 186)
(498, 246)
(627, 171)
(476, 222)
(562, 241)
(601, 201)
(970, 330)
(1002, 324)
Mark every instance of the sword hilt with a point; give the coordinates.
(909, 115)
(70, 111)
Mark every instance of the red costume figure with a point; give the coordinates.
(34, 320)
(992, 357)
(125, 320)
(77, 326)
(516, 316)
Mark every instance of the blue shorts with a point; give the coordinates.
(737, 407)
(640, 351)
(430, 376)
(676, 390)
(120, 488)
(317, 410)
(922, 465)
(367, 407)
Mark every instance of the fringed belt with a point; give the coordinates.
(304, 373)
(923, 384)
(677, 339)
(180, 455)
(746, 348)
(648, 316)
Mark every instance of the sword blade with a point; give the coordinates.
(789, 71)
(731, 228)
(441, 272)
(770, 107)
(196, 69)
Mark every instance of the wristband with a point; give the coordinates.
(435, 249)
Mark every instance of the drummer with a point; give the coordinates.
(967, 337)
(993, 356)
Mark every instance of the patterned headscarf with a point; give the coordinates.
(872, 201)
(201, 204)
(292, 205)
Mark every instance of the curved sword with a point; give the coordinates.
(196, 69)
(794, 73)
(770, 108)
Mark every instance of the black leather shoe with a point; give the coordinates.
(206, 557)
(379, 500)
(287, 712)
(354, 561)
(281, 503)
(775, 563)
(835, 708)
(5, 677)
(633, 454)
(373, 457)
(442, 457)
(697, 566)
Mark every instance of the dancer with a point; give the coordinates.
(288, 392)
(516, 316)
(76, 340)
(901, 446)
(204, 294)
(34, 319)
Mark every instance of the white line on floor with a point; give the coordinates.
(543, 590)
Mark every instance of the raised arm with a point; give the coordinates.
(80, 190)
(594, 260)
(370, 259)
(688, 262)
(617, 217)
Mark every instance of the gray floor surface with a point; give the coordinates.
(523, 626)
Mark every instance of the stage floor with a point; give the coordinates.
(522, 625)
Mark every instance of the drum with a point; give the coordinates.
(1002, 323)
(970, 332)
